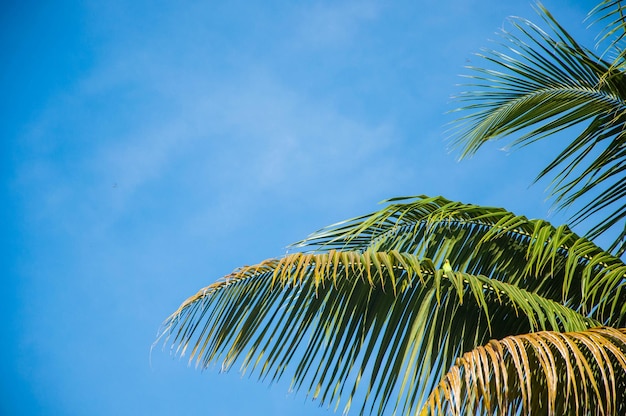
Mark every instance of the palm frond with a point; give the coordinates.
(533, 254)
(547, 83)
(339, 319)
(577, 373)
(611, 14)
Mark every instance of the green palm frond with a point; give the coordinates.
(541, 373)
(611, 14)
(551, 261)
(543, 84)
(387, 320)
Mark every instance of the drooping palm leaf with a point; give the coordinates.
(551, 261)
(548, 83)
(541, 373)
(385, 319)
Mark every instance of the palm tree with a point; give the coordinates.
(440, 307)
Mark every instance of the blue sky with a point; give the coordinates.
(149, 148)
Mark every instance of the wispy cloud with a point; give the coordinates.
(334, 24)
(227, 139)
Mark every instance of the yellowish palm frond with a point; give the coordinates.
(335, 320)
(578, 373)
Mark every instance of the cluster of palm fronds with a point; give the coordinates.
(544, 83)
(393, 298)
(440, 307)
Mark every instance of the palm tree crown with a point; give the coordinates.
(435, 306)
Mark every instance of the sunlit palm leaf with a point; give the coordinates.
(551, 373)
(533, 254)
(544, 84)
(385, 319)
